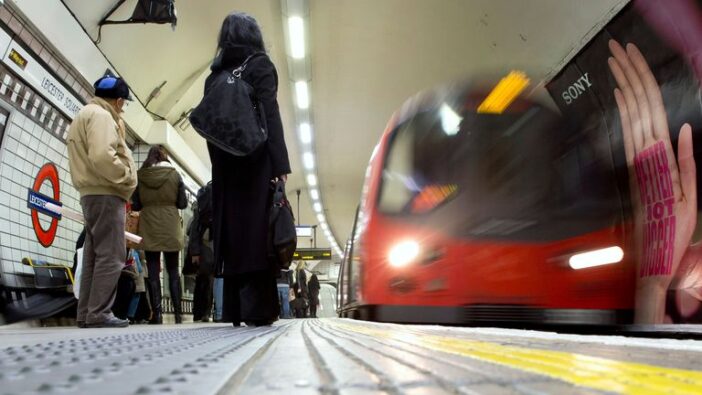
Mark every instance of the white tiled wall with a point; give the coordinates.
(26, 147)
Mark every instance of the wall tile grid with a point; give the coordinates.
(26, 147)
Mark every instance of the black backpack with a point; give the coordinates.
(229, 115)
(204, 206)
(282, 234)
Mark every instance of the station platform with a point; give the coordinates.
(340, 356)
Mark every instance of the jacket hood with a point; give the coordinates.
(155, 176)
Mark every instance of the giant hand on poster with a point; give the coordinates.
(663, 190)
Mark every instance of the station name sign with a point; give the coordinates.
(37, 201)
(32, 72)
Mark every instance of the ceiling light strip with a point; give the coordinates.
(295, 14)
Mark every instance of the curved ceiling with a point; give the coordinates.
(367, 57)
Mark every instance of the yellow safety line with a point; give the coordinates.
(579, 369)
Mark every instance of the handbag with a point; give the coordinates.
(229, 115)
(281, 225)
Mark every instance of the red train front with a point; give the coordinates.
(495, 217)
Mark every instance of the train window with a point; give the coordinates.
(524, 174)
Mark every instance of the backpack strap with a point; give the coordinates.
(237, 71)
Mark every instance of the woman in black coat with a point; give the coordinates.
(241, 185)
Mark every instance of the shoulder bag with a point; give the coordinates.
(230, 116)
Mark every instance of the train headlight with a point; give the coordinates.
(604, 256)
(403, 253)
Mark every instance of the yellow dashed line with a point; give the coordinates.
(579, 369)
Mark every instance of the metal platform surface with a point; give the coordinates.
(331, 356)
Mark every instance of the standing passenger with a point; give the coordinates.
(241, 185)
(160, 194)
(103, 172)
(284, 282)
(313, 287)
(200, 249)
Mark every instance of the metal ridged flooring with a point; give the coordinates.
(334, 356)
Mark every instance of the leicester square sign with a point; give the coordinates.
(37, 202)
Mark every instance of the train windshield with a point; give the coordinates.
(525, 175)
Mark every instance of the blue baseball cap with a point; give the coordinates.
(112, 87)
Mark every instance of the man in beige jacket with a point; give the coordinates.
(103, 171)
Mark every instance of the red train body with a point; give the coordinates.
(489, 209)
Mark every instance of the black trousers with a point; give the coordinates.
(153, 261)
(314, 301)
(202, 298)
(250, 297)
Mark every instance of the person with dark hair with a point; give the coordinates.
(158, 197)
(103, 172)
(313, 287)
(241, 186)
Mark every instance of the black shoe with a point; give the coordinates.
(80, 324)
(112, 322)
(205, 319)
(156, 319)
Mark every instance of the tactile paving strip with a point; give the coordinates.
(185, 361)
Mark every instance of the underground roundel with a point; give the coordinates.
(36, 202)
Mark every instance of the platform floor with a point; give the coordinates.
(335, 356)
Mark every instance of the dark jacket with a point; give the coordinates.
(313, 286)
(199, 243)
(159, 195)
(285, 277)
(241, 185)
(301, 277)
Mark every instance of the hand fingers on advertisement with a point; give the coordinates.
(653, 92)
(632, 77)
(686, 163)
(630, 104)
(626, 127)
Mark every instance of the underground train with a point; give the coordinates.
(468, 217)
(516, 211)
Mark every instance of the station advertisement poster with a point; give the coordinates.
(635, 87)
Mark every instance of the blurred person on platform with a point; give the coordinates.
(313, 288)
(241, 186)
(158, 197)
(284, 281)
(200, 250)
(103, 172)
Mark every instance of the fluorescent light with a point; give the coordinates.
(305, 133)
(311, 180)
(302, 94)
(320, 217)
(325, 227)
(594, 258)
(308, 160)
(504, 93)
(317, 207)
(296, 27)
(314, 194)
